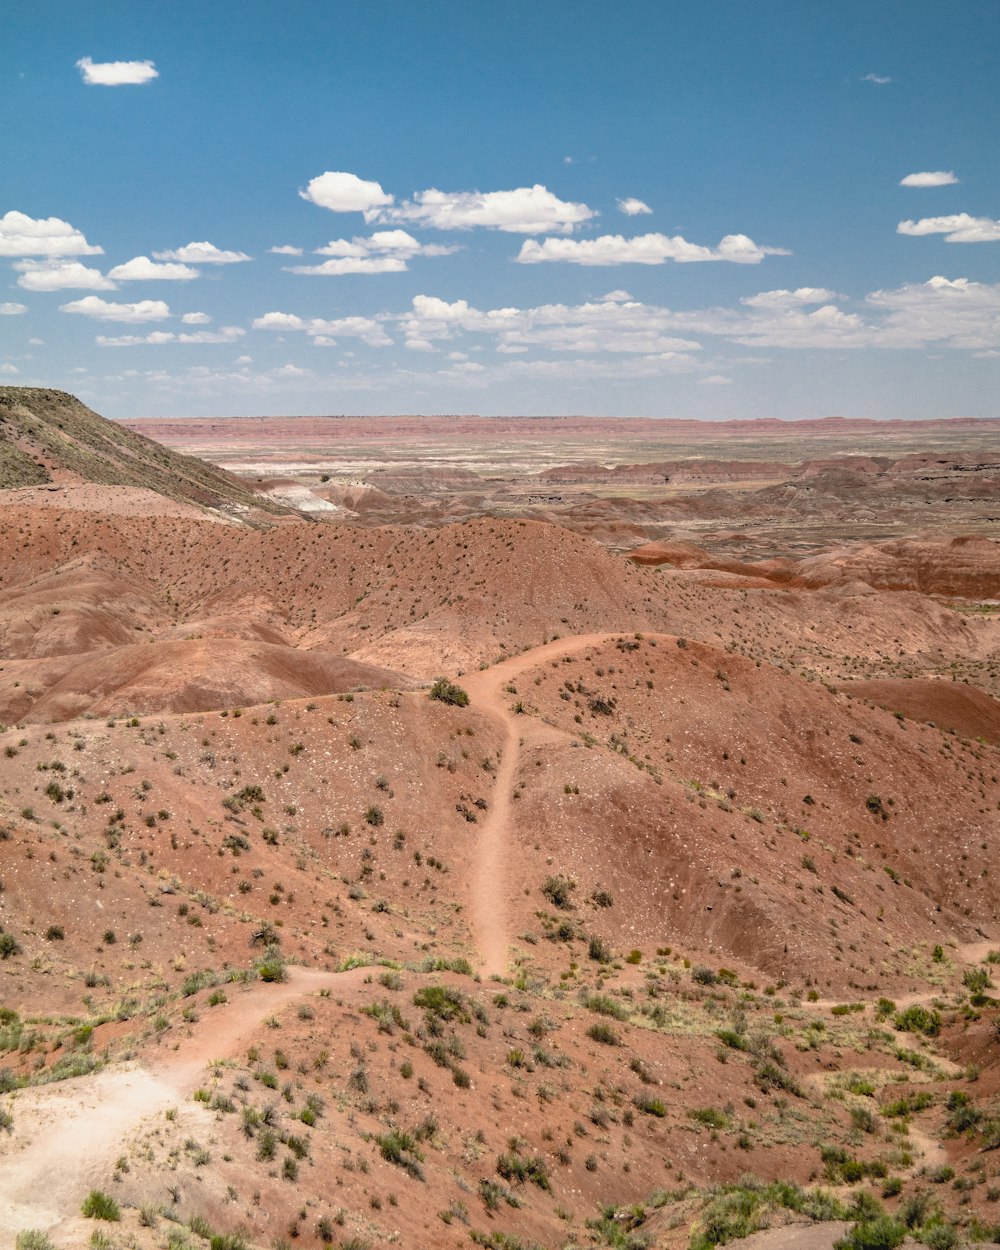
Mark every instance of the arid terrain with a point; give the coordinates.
(504, 832)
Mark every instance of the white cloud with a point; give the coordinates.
(203, 254)
(285, 249)
(116, 73)
(629, 328)
(279, 321)
(142, 269)
(12, 310)
(643, 249)
(956, 313)
(345, 193)
(932, 178)
(9, 370)
(632, 207)
(385, 251)
(56, 275)
(21, 235)
(791, 299)
(957, 228)
(523, 210)
(227, 334)
(879, 80)
(715, 379)
(102, 310)
(196, 319)
(324, 333)
(290, 371)
(618, 296)
(352, 264)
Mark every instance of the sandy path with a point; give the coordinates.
(493, 876)
(970, 953)
(68, 1135)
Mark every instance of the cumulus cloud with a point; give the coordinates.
(116, 73)
(102, 310)
(353, 264)
(21, 235)
(880, 80)
(956, 313)
(715, 379)
(524, 210)
(802, 295)
(932, 178)
(385, 251)
(56, 275)
(956, 228)
(12, 310)
(630, 328)
(9, 369)
(323, 332)
(285, 249)
(643, 249)
(196, 319)
(632, 207)
(203, 254)
(158, 338)
(142, 269)
(345, 193)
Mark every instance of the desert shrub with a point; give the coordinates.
(918, 1019)
(447, 692)
(400, 1148)
(513, 1166)
(604, 1034)
(558, 890)
(881, 1233)
(442, 1002)
(709, 1116)
(100, 1206)
(650, 1104)
(8, 945)
(271, 965)
(598, 949)
(32, 1239)
(605, 1006)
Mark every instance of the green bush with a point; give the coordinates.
(100, 1206)
(881, 1233)
(447, 692)
(32, 1239)
(917, 1019)
(604, 1034)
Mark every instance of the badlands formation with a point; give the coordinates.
(515, 833)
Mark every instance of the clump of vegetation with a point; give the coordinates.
(739, 1209)
(100, 1206)
(918, 1019)
(513, 1166)
(558, 890)
(400, 1148)
(32, 1239)
(271, 965)
(446, 691)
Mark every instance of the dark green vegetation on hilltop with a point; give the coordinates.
(46, 434)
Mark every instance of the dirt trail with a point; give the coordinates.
(966, 953)
(491, 882)
(68, 1135)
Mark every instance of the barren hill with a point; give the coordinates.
(48, 436)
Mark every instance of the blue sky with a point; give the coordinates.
(654, 208)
